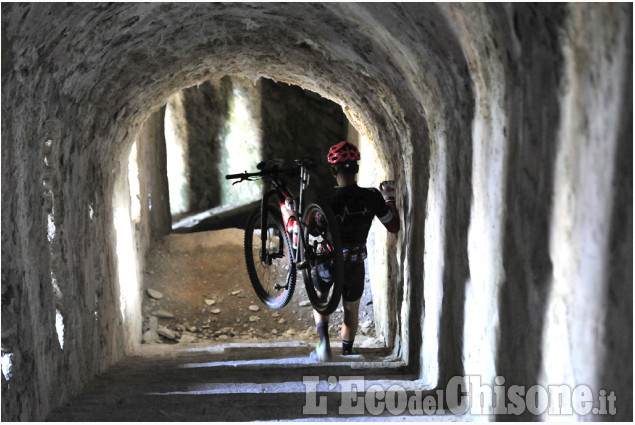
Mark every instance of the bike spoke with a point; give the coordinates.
(274, 269)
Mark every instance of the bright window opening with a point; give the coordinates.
(7, 363)
(133, 181)
(59, 327)
(240, 148)
(176, 149)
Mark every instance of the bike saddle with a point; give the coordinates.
(308, 162)
(270, 163)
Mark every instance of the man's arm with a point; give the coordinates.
(391, 218)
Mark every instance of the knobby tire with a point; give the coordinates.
(281, 271)
(326, 232)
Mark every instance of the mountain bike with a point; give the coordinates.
(274, 252)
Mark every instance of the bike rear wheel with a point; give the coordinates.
(323, 255)
(272, 272)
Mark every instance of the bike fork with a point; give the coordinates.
(304, 183)
(264, 233)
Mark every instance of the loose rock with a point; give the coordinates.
(167, 333)
(305, 303)
(187, 338)
(254, 318)
(163, 314)
(150, 337)
(153, 323)
(236, 292)
(254, 308)
(154, 294)
(215, 311)
(210, 302)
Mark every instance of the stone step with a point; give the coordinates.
(232, 407)
(230, 383)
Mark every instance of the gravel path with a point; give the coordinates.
(196, 290)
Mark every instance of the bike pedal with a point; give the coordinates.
(302, 265)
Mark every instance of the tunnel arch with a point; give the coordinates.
(378, 106)
(110, 66)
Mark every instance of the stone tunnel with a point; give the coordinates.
(507, 128)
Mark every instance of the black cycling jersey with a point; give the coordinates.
(356, 207)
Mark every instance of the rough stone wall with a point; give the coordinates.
(154, 159)
(371, 173)
(515, 134)
(534, 74)
(151, 158)
(615, 372)
(450, 96)
(583, 247)
(534, 297)
(206, 109)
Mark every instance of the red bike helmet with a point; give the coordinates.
(343, 152)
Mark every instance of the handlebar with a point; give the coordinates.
(271, 168)
(263, 173)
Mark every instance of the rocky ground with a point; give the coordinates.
(196, 290)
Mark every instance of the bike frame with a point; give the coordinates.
(303, 256)
(279, 188)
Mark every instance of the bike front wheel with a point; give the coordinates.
(270, 267)
(323, 272)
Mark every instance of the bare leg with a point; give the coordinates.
(317, 316)
(351, 320)
(323, 349)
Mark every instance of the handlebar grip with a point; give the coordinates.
(233, 176)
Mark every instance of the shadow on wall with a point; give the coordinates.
(619, 280)
(455, 278)
(524, 294)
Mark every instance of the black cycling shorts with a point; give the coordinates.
(354, 276)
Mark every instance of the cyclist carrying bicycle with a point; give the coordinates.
(355, 207)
